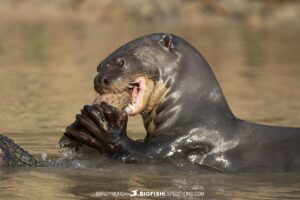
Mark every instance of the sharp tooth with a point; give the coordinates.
(126, 109)
(134, 84)
(129, 108)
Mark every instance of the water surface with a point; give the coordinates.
(46, 73)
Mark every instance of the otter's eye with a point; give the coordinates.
(120, 62)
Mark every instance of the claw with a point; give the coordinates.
(85, 139)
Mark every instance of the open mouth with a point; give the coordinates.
(133, 99)
(139, 95)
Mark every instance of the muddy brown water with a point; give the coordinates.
(46, 73)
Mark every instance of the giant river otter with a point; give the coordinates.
(184, 110)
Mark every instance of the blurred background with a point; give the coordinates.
(49, 51)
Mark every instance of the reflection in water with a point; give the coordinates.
(84, 183)
(46, 73)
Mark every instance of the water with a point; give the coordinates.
(46, 73)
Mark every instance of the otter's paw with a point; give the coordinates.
(99, 126)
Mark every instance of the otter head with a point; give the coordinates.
(138, 67)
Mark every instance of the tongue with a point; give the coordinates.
(134, 95)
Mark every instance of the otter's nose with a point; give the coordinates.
(100, 82)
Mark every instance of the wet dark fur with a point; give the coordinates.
(193, 122)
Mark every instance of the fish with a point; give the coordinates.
(117, 100)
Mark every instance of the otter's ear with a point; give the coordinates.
(166, 41)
